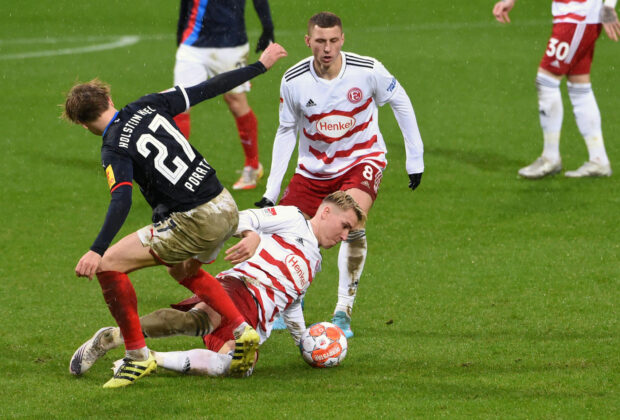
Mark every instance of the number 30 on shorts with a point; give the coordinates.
(557, 49)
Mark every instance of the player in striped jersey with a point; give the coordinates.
(576, 27)
(330, 101)
(212, 39)
(276, 261)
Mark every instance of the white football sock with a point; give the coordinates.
(551, 114)
(138, 354)
(351, 259)
(588, 119)
(195, 362)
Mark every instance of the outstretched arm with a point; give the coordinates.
(224, 82)
(283, 146)
(501, 10)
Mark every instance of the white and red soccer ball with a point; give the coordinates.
(323, 345)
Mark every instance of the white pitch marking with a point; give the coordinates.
(123, 41)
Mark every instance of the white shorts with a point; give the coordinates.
(198, 233)
(194, 65)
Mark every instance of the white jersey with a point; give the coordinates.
(576, 11)
(283, 266)
(337, 120)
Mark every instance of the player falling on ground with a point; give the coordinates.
(276, 261)
(212, 39)
(330, 100)
(193, 214)
(576, 27)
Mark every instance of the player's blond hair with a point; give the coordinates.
(324, 20)
(86, 101)
(345, 202)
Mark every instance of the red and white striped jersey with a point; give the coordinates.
(576, 11)
(283, 266)
(337, 119)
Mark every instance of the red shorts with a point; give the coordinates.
(571, 48)
(307, 194)
(243, 300)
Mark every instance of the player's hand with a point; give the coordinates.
(272, 53)
(244, 249)
(264, 202)
(265, 39)
(414, 180)
(501, 10)
(88, 265)
(609, 19)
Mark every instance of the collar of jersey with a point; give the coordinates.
(108, 126)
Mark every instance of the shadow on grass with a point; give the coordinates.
(485, 160)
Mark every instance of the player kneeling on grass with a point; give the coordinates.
(193, 214)
(276, 261)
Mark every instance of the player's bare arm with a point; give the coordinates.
(501, 10)
(272, 53)
(244, 249)
(609, 19)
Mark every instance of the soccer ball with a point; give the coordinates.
(323, 345)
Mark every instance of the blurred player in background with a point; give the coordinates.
(330, 100)
(193, 214)
(576, 27)
(212, 39)
(276, 261)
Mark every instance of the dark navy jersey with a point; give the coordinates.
(143, 143)
(217, 23)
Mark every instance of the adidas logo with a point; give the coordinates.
(300, 240)
(555, 63)
(310, 103)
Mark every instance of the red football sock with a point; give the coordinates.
(184, 123)
(207, 288)
(121, 298)
(247, 125)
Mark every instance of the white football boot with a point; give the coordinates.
(540, 168)
(249, 178)
(589, 169)
(92, 350)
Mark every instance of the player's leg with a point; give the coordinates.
(189, 70)
(551, 113)
(223, 60)
(351, 259)
(195, 362)
(165, 322)
(247, 127)
(585, 108)
(125, 256)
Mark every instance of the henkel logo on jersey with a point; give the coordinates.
(298, 269)
(335, 126)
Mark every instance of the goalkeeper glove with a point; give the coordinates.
(265, 39)
(264, 202)
(414, 180)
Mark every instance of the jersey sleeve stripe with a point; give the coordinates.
(297, 71)
(187, 104)
(120, 185)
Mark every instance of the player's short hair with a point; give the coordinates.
(86, 101)
(324, 20)
(344, 201)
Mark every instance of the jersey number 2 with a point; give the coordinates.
(172, 174)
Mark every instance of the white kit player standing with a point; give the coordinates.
(577, 25)
(330, 101)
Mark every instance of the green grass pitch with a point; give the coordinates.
(484, 295)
